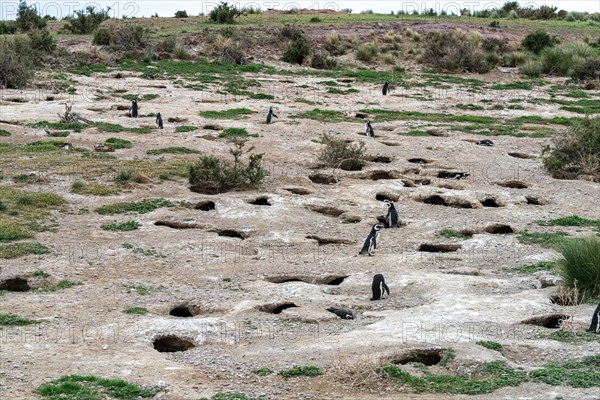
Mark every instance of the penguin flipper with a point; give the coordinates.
(386, 288)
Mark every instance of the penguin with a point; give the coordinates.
(595, 326)
(386, 88)
(371, 242)
(391, 219)
(270, 115)
(343, 314)
(159, 121)
(456, 175)
(485, 142)
(133, 110)
(369, 129)
(379, 287)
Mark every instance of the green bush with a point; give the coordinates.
(297, 51)
(28, 18)
(587, 70)
(320, 61)
(41, 40)
(181, 14)
(580, 266)
(576, 153)
(339, 154)
(538, 41)
(121, 37)
(224, 14)
(166, 45)
(456, 51)
(8, 27)
(84, 22)
(210, 175)
(17, 63)
(556, 61)
(367, 52)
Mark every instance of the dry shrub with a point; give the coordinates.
(360, 373)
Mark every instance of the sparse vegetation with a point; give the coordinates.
(234, 132)
(15, 320)
(546, 239)
(317, 114)
(141, 207)
(451, 233)
(117, 143)
(490, 345)
(339, 154)
(235, 113)
(73, 387)
(308, 370)
(136, 311)
(531, 268)
(262, 371)
(173, 150)
(122, 227)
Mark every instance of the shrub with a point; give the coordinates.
(538, 41)
(121, 37)
(588, 70)
(339, 154)
(166, 45)
(41, 40)
(28, 18)
(8, 27)
(315, 20)
(84, 22)
(455, 51)
(367, 52)
(181, 14)
(224, 14)
(514, 59)
(556, 61)
(577, 152)
(181, 53)
(17, 62)
(580, 266)
(320, 61)
(531, 68)
(210, 175)
(297, 51)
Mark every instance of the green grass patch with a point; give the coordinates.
(93, 189)
(234, 132)
(531, 268)
(415, 132)
(534, 119)
(490, 345)
(40, 274)
(4, 133)
(573, 337)
(58, 126)
(330, 116)
(173, 150)
(451, 233)
(185, 128)
(115, 128)
(15, 320)
(309, 370)
(447, 356)
(393, 115)
(333, 90)
(579, 374)
(64, 284)
(572, 220)
(144, 97)
(512, 86)
(135, 311)
(262, 371)
(10, 230)
(232, 396)
(140, 207)
(143, 290)
(470, 107)
(78, 387)
(117, 143)
(546, 239)
(234, 113)
(88, 70)
(122, 227)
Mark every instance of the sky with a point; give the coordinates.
(167, 8)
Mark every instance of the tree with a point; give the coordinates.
(224, 14)
(28, 18)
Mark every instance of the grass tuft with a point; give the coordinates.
(308, 370)
(15, 320)
(122, 227)
(78, 387)
(234, 113)
(136, 311)
(140, 207)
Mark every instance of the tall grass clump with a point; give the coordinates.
(576, 153)
(367, 52)
(457, 51)
(532, 68)
(339, 154)
(297, 51)
(580, 266)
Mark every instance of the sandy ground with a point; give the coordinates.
(438, 300)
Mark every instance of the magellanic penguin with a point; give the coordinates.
(371, 243)
(133, 110)
(457, 175)
(386, 88)
(270, 115)
(159, 121)
(343, 314)
(369, 129)
(391, 219)
(595, 326)
(485, 142)
(379, 287)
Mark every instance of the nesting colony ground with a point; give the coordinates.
(255, 271)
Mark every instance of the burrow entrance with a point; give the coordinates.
(205, 205)
(172, 343)
(381, 175)
(298, 190)
(513, 184)
(16, 284)
(499, 229)
(424, 356)
(323, 241)
(181, 311)
(323, 179)
(276, 308)
(435, 200)
(343, 314)
(231, 233)
(439, 247)
(381, 159)
(386, 196)
(452, 175)
(490, 202)
(521, 155)
(178, 225)
(536, 201)
(563, 300)
(551, 321)
(312, 279)
(418, 161)
(260, 201)
(326, 210)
